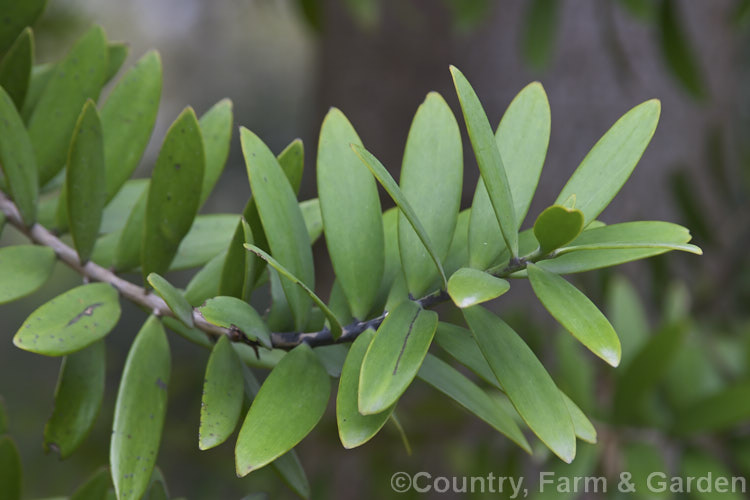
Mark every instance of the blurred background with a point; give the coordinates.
(284, 63)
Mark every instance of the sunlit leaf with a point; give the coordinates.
(525, 381)
(283, 224)
(71, 321)
(394, 356)
(574, 311)
(76, 79)
(84, 179)
(173, 297)
(351, 213)
(610, 162)
(468, 287)
(289, 404)
(128, 117)
(139, 411)
(489, 160)
(78, 397)
(356, 429)
(221, 402)
(433, 151)
(231, 312)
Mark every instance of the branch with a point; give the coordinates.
(91, 271)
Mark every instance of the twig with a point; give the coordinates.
(149, 301)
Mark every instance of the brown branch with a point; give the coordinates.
(91, 271)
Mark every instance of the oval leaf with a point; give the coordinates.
(610, 162)
(289, 404)
(525, 381)
(453, 384)
(468, 287)
(433, 151)
(128, 118)
(78, 397)
(10, 469)
(76, 79)
(574, 311)
(23, 269)
(139, 411)
(173, 193)
(173, 297)
(17, 160)
(222, 399)
(216, 128)
(489, 160)
(233, 313)
(557, 226)
(282, 221)
(84, 180)
(356, 429)
(15, 68)
(71, 321)
(394, 356)
(385, 180)
(351, 213)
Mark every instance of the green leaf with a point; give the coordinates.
(173, 193)
(394, 356)
(95, 488)
(205, 283)
(17, 160)
(717, 412)
(468, 287)
(216, 128)
(233, 313)
(557, 226)
(15, 68)
(583, 427)
(176, 302)
(292, 161)
(356, 429)
(611, 245)
(16, 17)
(714, 480)
(282, 221)
(10, 469)
(41, 74)
(287, 466)
(678, 53)
(574, 311)
(71, 321)
(385, 180)
(78, 397)
(458, 254)
(221, 402)
(351, 213)
(522, 137)
(334, 323)
(23, 269)
(128, 118)
(288, 406)
(127, 254)
(139, 411)
(453, 384)
(523, 378)
(208, 236)
(646, 370)
(117, 53)
(118, 209)
(313, 218)
(489, 160)
(542, 19)
(84, 180)
(238, 271)
(76, 79)
(3, 417)
(433, 151)
(565, 476)
(610, 162)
